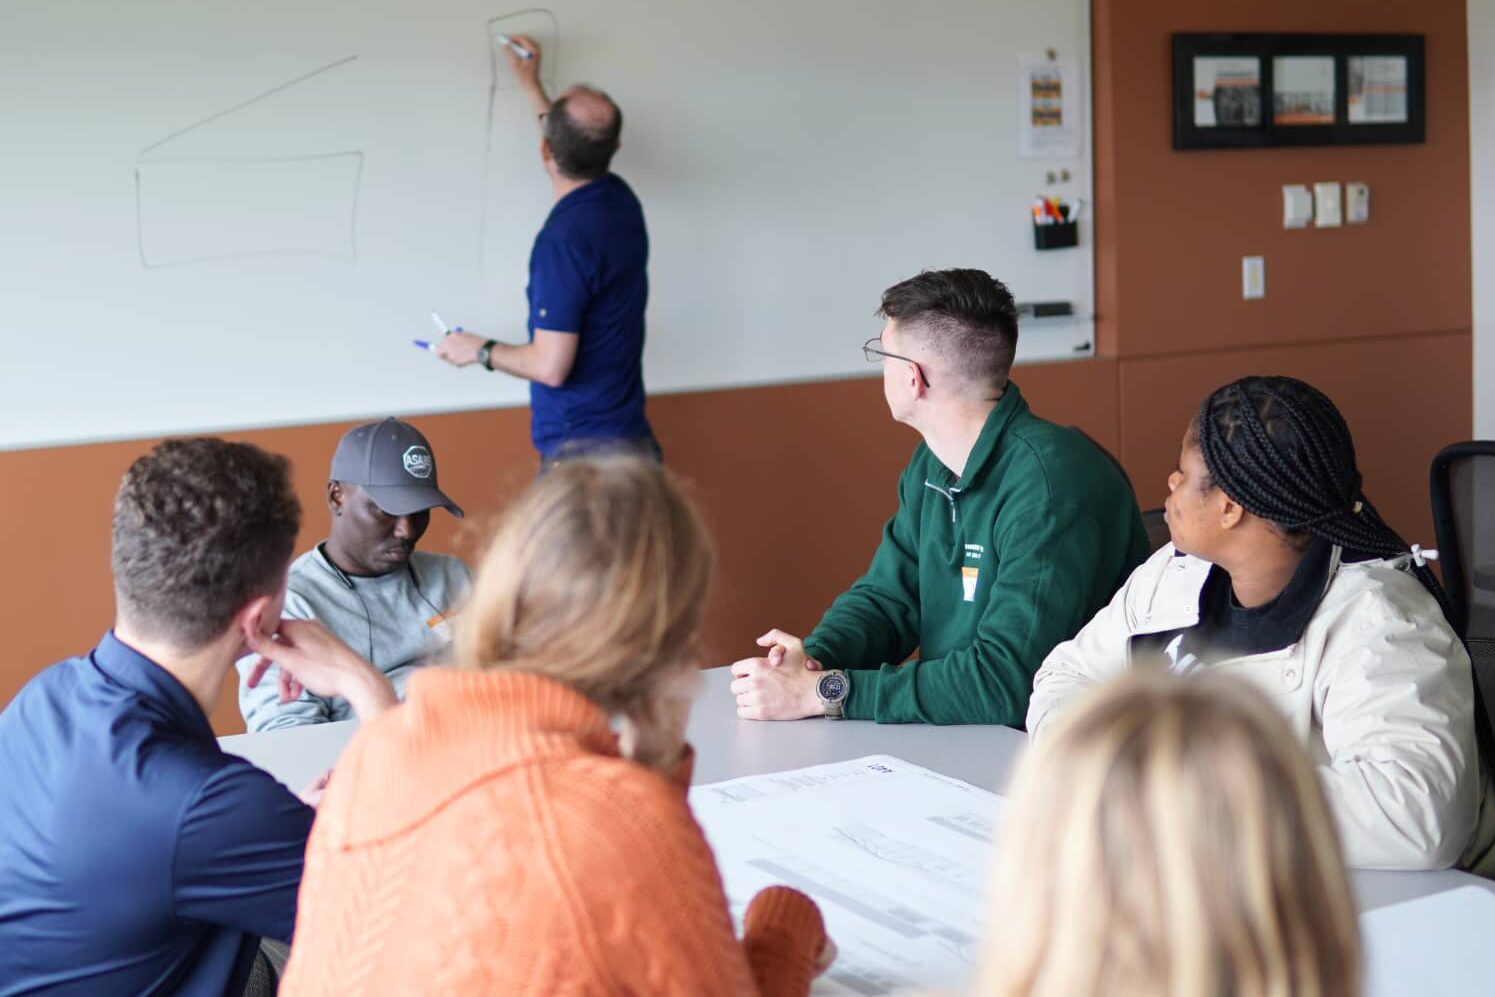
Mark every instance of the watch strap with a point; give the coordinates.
(485, 354)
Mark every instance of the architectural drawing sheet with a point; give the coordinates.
(896, 856)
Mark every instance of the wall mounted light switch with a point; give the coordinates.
(1253, 277)
(1326, 205)
(1297, 206)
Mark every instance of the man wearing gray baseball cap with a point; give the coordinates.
(366, 582)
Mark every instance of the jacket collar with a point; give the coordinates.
(457, 728)
(983, 454)
(1180, 609)
(126, 667)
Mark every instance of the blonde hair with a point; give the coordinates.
(1170, 837)
(596, 577)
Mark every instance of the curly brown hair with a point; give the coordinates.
(201, 526)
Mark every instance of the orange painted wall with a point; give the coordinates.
(1378, 315)
(797, 479)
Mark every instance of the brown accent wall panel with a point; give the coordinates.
(1172, 226)
(1400, 410)
(795, 481)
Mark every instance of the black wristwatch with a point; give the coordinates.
(485, 354)
(832, 688)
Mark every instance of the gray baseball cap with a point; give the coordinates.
(393, 462)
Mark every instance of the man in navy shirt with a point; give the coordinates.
(588, 285)
(135, 856)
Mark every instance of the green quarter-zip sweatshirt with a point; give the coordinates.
(983, 574)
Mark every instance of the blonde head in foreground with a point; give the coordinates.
(595, 577)
(1170, 838)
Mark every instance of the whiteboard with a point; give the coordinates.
(225, 216)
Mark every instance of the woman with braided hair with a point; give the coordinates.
(1282, 572)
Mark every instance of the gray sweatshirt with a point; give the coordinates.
(398, 621)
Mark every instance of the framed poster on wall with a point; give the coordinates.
(1253, 90)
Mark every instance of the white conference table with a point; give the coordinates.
(727, 748)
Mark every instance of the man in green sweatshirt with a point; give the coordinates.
(1011, 533)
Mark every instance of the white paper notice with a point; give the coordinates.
(895, 855)
(1048, 109)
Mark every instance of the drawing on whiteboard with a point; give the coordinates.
(200, 210)
(541, 25)
(247, 103)
(215, 208)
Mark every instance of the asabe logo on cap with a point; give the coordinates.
(418, 462)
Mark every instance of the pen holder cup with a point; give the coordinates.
(1060, 235)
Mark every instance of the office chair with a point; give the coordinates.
(1463, 493)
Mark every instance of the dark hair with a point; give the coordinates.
(966, 316)
(1281, 449)
(201, 526)
(582, 152)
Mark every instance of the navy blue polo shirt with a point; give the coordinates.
(135, 856)
(588, 275)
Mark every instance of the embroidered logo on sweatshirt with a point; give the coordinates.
(970, 572)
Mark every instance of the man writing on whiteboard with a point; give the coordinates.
(588, 285)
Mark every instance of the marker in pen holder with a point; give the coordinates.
(1056, 235)
(1055, 223)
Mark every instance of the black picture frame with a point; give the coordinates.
(1245, 127)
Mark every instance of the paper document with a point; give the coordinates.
(1432, 946)
(896, 856)
(1048, 109)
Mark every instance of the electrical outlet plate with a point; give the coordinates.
(1253, 277)
(1297, 206)
(1326, 205)
(1356, 203)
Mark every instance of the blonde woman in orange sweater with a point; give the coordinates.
(1170, 838)
(493, 835)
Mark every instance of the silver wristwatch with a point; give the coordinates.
(832, 688)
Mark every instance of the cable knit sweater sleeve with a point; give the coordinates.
(647, 900)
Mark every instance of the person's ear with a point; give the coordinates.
(915, 379)
(335, 498)
(1232, 514)
(257, 618)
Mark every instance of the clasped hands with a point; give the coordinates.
(780, 685)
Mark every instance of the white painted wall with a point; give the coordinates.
(1482, 190)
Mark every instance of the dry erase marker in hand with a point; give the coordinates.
(441, 326)
(514, 46)
(428, 347)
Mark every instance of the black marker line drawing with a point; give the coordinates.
(246, 103)
(355, 156)
(498, 64)
(143, 164)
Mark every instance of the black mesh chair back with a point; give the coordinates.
(1463, 489)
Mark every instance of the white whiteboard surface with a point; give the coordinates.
(224, 216)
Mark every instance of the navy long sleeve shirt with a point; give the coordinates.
(135, 855)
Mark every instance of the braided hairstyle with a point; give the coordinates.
(1279, 448)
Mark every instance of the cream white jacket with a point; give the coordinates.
(1378, 688)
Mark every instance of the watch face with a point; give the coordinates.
(832, 688)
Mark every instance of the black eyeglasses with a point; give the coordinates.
(872, 350)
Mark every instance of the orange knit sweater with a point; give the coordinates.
(487, 838)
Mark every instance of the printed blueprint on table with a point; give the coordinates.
(896, 856)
